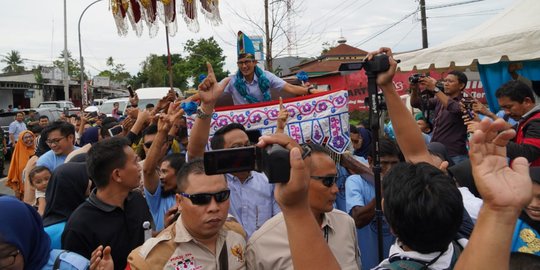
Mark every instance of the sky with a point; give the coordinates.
(36, 28)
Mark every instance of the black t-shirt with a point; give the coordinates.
(96, 223)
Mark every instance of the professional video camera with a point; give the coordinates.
(273, 160)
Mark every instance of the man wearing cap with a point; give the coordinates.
(251, 84)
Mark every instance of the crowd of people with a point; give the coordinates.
(88, 198)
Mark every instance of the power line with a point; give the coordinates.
(386, 29)
(406, 35)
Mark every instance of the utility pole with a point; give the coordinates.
(424, 23)
(268, 40)
(80, 47)
(66, 75)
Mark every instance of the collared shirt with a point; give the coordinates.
(51, 160)
(97, 223)
(175, 248)
(252, 202)
(253, 87)
(159, 205)
(443, 262)
(16, 128)
(268, 247)
(360, 192)
(448, 126)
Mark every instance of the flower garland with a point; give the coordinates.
(264, 85)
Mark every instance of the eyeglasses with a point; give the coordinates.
(148, 144)
(205, 198)
(9, 260)
(54, 141)
(241, 63)
(327, 181)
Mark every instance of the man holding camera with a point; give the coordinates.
(448, 126)
(252, 201)
(268, 247)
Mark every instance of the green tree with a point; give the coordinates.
(14, 62)
(74, 68)
(116, 72)
(154, 72)
(199, 53)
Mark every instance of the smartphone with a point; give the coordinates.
(241, 159)
(131, 93)
(115, 130)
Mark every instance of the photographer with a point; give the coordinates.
(448, 126)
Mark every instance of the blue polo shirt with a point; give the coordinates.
(159, 205)
(360, 192)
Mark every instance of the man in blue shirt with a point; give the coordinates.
(160, 186)
(61, 140)
(251, 84)
(360, 198)
(16, 127)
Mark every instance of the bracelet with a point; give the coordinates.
(202, 114)
(309, 90)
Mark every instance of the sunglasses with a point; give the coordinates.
(327, 181)
(205, 198)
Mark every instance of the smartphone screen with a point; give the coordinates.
(221, 161)
(115, 130)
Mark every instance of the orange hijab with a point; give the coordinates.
(20, 157)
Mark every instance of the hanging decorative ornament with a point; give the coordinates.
(134, 16)
(189, 12)
(119, 17)
(210, 10)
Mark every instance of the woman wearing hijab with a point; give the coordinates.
(67, 189)
(363, 151)
(24, 149)
(25, 245)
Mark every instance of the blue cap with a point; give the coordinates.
(245, 46)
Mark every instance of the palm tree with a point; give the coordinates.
(14, 62)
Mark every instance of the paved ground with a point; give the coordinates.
(3, 188)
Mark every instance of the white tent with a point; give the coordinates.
(512, 35)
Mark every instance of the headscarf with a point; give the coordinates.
(90, 135)
(21, 226)
(65, 192)
(21, 155)
(363, 151)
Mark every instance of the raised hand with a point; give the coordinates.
(384, 78)
(282, 117)
(209, 89)
(501, 186)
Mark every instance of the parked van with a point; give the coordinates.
(146, 96)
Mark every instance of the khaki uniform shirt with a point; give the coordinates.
(268, 247)
(175, 248)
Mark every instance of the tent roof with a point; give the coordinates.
(514, 35)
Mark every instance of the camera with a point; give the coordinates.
(415, 78)
(272, 160)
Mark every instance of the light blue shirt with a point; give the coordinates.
(340, 202)
(16, 128)
(360, 192)
(55, 233)
(252, 202)
(158, 206)
(51, 160)
(253, 87)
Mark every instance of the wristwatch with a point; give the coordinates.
(202, 114)
(436, 90)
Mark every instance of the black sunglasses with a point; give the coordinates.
(327, 181)
(205, 198)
